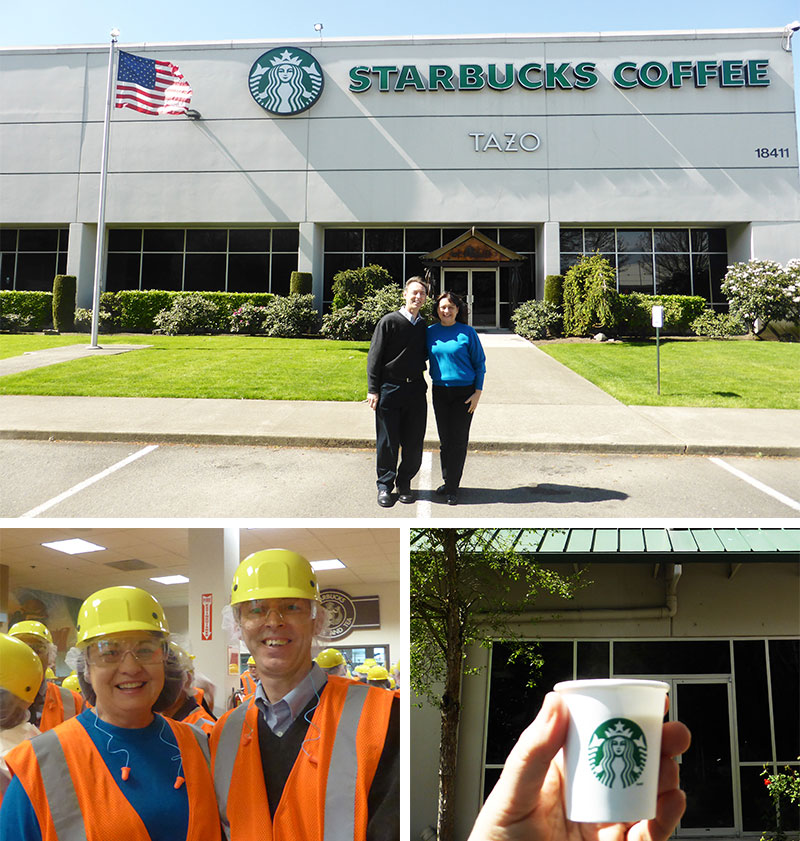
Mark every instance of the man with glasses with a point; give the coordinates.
(53, 704)
(310, 755)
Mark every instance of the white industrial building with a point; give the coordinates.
(673, 153)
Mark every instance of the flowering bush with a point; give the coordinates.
(761, 291)
(537, 320)
(291, 316)
(248, 319)
(782, 786)
(352, 322)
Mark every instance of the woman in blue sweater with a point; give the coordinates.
(457, 367)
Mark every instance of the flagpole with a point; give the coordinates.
(101, 214)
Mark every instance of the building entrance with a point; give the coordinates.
(480, 289)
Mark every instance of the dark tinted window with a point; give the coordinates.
(422, 239)
(248, 273)
(599, 239)
(517, 239)
(752, 701)
(204, 273)
(383, 239)
(784, 664)
(282, 267)
(125, 239)
(122, 272)
(162, 271)
(8, 239)
(709, 239)
(634, 241)
(673, 274)
(31, 239)
(593, 660)
(35, 272)
(571, 239)
(666, 658)
(252, 239)
(158, 239)
(393, 263)
(285, 239)
(206, 240)
(672, 240)
(343, 239)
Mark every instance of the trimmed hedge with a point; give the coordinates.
(64, 289)
(554, 289)
(679, 313)
(300, 283)
(26, 310)
(133, 311)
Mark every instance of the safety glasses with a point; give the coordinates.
(111, 652)
(259, 611)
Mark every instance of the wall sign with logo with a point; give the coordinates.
(286, 81)
(348, 613)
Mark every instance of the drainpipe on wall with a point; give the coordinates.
(666, 611)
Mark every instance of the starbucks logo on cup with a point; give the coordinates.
(618, 753)
(286, 81)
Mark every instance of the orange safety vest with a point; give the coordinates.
(325, 797)
(200, 718)
(93, 808)
(199, 694)
(59, 705)
(248, 682)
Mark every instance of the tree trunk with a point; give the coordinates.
(451, 699)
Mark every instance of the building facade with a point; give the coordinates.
(672, 153)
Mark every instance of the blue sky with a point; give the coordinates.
(48, 22)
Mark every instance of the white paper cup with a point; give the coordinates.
(613, 748)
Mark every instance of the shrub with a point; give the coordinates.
(248, 319)
(26, 310)
(358, 323)
(190, 314)
(300, 283)
(537, 319)
(353, 286)
(135, 311)
(291, 317)
(590, 296)
(718, 325)
(554, 289)
(64, 289)
(635, 317)
(83, 321)
(761, 291)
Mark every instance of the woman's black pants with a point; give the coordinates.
(453, 422)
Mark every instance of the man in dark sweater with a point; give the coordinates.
(396, 391)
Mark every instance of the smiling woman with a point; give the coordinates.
(118, 767)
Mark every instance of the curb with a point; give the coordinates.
(300, 442)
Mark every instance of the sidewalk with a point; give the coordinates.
(531, 402)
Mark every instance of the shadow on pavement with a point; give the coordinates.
(527, 494)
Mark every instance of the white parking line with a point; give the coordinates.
(424, 505)
(786, 500)
(34, 512)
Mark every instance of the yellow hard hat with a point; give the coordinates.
(181, 655)
(71, 682)
(251, 661)
(362, 669)
(370, 662)
(20, 668)
(392, 682)
(377, 673)
(274, 574)
(329, 658)
(117, 609)
(31, 626)
(49, 673)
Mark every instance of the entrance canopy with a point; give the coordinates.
(474, 250)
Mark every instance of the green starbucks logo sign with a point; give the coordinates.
(286, 81)
(618, 752)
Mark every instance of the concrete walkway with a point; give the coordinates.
(530, 402)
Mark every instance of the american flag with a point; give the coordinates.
(151, 86)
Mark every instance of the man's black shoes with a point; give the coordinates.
(406, 496)
(385, 499)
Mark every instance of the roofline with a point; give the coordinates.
(412, 40)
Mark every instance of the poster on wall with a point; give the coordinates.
(59, 613)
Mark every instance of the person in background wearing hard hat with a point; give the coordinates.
(20, 678)
(185, 707)
(332, 662)
(360, 672)
(378, 676)
(118, 770)
(310, 756)
(249, 677)
(71, 682)
(52, 704)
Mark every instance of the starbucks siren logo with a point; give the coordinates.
(618, 751)
(286, 81)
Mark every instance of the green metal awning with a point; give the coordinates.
(650, 545)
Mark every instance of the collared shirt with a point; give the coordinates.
(413, 319)
(281, 715)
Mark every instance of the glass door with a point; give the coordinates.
(704, 706)
(479, 288)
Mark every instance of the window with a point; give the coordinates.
(31, 257)
(656, 261)
(202, 259)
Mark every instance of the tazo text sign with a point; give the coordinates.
(727, 73)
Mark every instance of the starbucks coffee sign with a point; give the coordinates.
(286, 81)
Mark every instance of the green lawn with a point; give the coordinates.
(739, 374)
(200, 366)
(14, 344)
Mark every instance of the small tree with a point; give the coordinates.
(590, 296)
(352, 286)
(761, 291)
(467, 586)
(300, 283)
(64, 288)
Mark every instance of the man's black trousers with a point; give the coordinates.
(400, 432)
